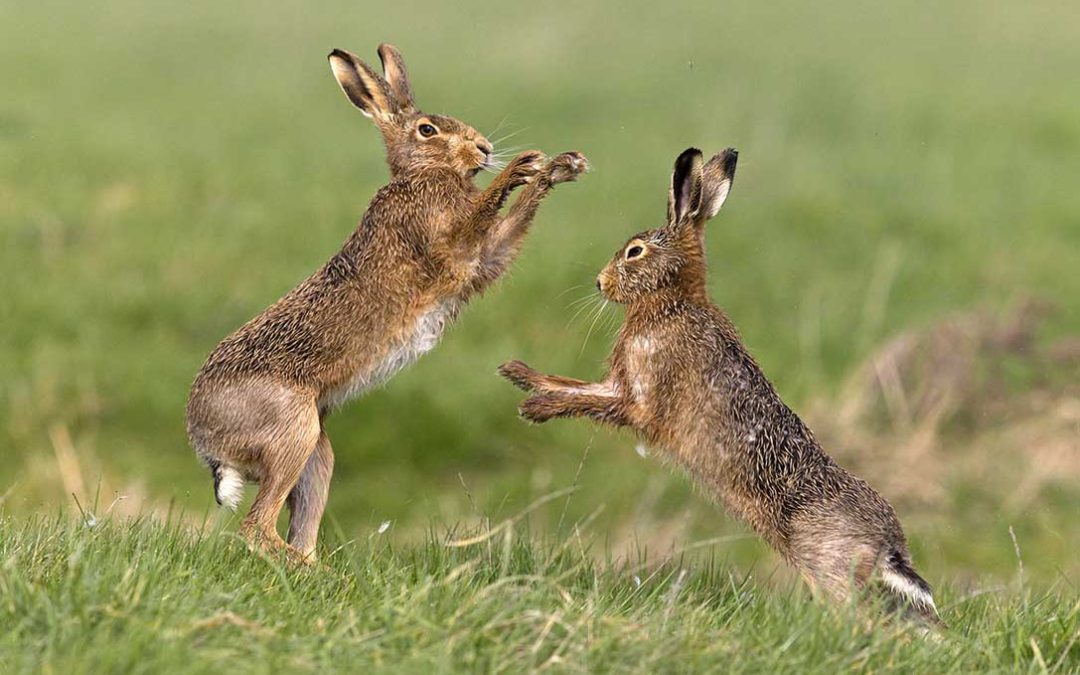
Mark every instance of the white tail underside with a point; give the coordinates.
(230, 488)
(908, 589)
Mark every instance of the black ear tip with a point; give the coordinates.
(730, 159)
(686, 160)
(337, 53)
(688, 155)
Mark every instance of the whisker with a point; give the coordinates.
(577, 313)
(510, 135)
(613, 324)
(591, 326)
(582, 308)
(581, 301)
(500, 126)
(592, 309)
(507, 153)
(572, 288)
(589, 295)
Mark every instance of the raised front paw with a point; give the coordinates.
(519, 374)
(524, 168)
(567, 167)
(539, 408)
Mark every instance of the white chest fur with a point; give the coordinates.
(422, 338)
(639, 357)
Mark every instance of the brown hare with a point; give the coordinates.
(683, 380)
(429, 241)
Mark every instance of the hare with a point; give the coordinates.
(429, 241)
(682, 379)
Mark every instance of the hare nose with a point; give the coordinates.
(484, 148)
(598, 285)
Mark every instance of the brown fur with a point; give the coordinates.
(429, 241)
(682, 379)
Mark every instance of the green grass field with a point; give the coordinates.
(150, 598)
(901, 252)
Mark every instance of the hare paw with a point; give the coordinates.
(539, 408)
(524, 168)
(297, 558)
(519, 374)
(261, 539)
(567, 167)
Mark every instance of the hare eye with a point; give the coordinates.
(634, 252)
(427, 131)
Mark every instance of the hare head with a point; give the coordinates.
(673, 256)
(414, 140)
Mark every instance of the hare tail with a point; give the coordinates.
(228, 485)
(904, 586)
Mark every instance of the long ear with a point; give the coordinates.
(396, 76)
(362, 85)
(718, 175)
(684, 195)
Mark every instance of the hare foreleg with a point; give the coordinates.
(485, 213)
(556, 396)
(504, 240)
(527, 379)
(607, 408)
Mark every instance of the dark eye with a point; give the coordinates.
(634, 252)
(427, 131)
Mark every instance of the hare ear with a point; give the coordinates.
(718, 175)
(684, 195)
(362, 85)
(396, 75)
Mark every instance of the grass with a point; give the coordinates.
(146, 596)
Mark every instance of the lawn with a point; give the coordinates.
(900, 251)
(146, 597)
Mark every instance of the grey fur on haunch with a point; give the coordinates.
(680, 376)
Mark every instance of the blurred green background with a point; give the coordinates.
(907, 169)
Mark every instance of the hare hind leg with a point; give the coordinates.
(284, 453)
(307, 500)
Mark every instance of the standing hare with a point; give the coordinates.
(429, 241)
(682, 379)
